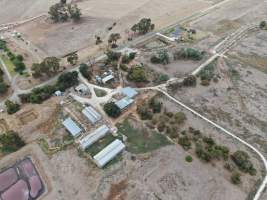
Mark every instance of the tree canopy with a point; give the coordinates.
(143, 26)
(62, 12)
(112, 110)
(137, 74)
(10, 142)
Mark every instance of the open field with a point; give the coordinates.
(17, 10)
(60, 39)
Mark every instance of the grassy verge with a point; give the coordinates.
(140, 141)
(9, 65)
(100, 93)
(100, 144)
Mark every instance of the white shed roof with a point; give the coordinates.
(129, 92)
(107, 78)
(91, 114)
(93, 137)
(124, 102)
(72, 127)
(108, 153)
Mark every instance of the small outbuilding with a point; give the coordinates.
(108, 153)
(72, 127)
(94, 137)
(82, 89)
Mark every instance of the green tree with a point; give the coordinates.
(241, 159)
(11, 107)
(19, 65)
(263, 25)
(84, 70)
(67, 80)
(113, 38)
(3, 88)
(72, 58)
(137, 74)
(112, 110)
(10, 142)
(58, 13)
(143, 26)
(74, 12)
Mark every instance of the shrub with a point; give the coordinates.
(144, 112)
(189, 158)
(161, 126)
(155, 105)
(236, 178)
(3, 87)
(263, 25)
(205, 82)
(132, 55)
(124, 67)
(10, 142)
(179, 117)
(11, 107)
(185, 142)
(190, 81)
(188, 53)
(112, 110)
(209, 141)
(241, 159)
(155, 60)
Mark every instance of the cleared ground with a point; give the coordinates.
(60, 39)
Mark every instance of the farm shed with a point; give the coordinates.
(91, 114)
(124, 103)
(72, 127)
(108, 153)
(94, 136)
(129, 92)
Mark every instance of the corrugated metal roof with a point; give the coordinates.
(108, 153)
(124, 102)
(94, 136)
(107, 78)
(129, 92)
(72, 127)
(91, 114)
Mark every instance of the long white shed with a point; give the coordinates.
(108, 153)
(94, 136)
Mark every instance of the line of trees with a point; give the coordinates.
(38, 95)
(17, 60)
(49, 66)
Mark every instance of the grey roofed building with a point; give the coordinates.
(82, 88)
(94, 136)
(108, 153)
(72, 127)
(129, 92)
(91, 114)
(124, 103)
(177, 33)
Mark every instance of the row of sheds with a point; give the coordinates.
(109, 152)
